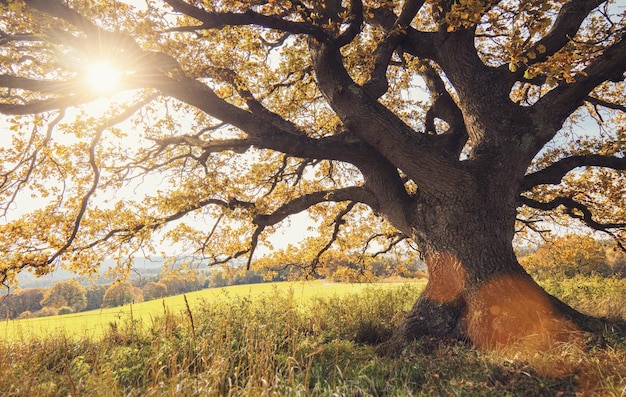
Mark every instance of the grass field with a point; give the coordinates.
(300, 339)
(95, 323)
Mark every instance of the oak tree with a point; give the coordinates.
(448, 126)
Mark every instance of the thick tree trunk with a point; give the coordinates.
(477, 291)
(507, 311)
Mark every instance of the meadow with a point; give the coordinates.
(311, 339)
(95, 323)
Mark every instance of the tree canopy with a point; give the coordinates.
(206, 124)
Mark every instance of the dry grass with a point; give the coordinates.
(274, 344)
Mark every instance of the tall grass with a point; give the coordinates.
(274, 344)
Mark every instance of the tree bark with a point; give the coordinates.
(477, 291)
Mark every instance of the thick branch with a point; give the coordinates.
(406, 149)
(355, 19)
(566, 98)
(297, 205)
(62, 11)
(261, 133)
(444, 108)
(378, 84)
(555, 172)
(574, 209)
(52, 87)
(566, 25)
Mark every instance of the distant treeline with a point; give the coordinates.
(69, 296)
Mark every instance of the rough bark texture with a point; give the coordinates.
(478, 292)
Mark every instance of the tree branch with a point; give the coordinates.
(103, 37)
(261, 133)
(211, 20)
(378, 84)
(416, 43)
(52, 87)
(46, 105)
(566, 98)
(355, 20)
(444, 108)
(96, 173)
(337, 222)
(575, 210)
(555, 172)
(360, 113)
(609, 105)
(397, 239)
(566, 25)
(299, 204)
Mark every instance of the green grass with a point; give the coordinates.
(286, 340)
(95, 323)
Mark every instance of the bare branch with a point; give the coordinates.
(394, 239)
(337, 222)
(254, 240)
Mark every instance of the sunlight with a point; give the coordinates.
(103, 76)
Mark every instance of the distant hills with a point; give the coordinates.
(142, 267)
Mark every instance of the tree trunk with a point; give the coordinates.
(477, 291)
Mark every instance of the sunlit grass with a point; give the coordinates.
(289, 339)
(94, 323)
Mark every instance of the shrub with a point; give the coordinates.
(65, 310)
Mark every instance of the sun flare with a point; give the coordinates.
(103, 76)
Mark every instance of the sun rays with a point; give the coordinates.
(103, 77)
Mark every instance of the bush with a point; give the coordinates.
(65, 310)
(572, 255)
(45, 312)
